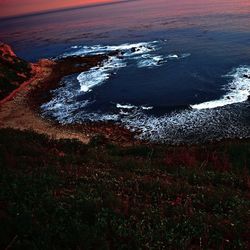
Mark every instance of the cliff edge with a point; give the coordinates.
(13, 70)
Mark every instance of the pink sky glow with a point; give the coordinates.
(20, 7)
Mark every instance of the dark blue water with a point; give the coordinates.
(214, 34)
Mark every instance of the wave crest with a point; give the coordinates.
(238, 90)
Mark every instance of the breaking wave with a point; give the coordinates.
(238, 90)
(97, 75)
(144, 54)
(189, 126)
(205, 121)
(127, 48)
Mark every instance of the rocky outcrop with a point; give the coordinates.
(6, 50)
(13, 70)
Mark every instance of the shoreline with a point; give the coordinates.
(20, 109)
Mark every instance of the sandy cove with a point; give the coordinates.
(20, 109)
(16, 113)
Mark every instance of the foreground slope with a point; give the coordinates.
(68, 195)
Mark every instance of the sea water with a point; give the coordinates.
(181, 75)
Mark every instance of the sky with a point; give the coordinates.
(21, 7)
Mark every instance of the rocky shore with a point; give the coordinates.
(19, 108)
(14, 71)
(25, 86)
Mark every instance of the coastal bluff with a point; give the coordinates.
(13, 70)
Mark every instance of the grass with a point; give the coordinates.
(66, 195)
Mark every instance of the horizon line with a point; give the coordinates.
(44, 12)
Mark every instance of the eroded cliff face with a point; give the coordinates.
(13, 70)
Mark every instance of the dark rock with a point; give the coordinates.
(13, 70)
(246, 76)
(160, 62)
(114, 53)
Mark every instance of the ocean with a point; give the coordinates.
(181, 75)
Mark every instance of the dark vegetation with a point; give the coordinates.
(13, 71)
(66, 195)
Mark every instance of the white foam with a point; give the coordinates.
(177, 127)
(130, 106)
(63, 104)
(187, 125)
(127, 48)
(147, 107)
(125, 106)
(123, 113)
(89, 79)
(136, 51)
(68, 106)
(184, 55)
(98, 75)
(143, 53)
(238, 90)
(150, 61)
(173, 56)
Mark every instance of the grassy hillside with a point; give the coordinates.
(66, 195)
